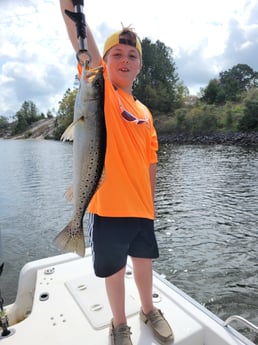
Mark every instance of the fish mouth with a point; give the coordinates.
(91, 73)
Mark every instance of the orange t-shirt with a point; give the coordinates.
(131, 148)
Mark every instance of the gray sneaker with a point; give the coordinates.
(120, 335)
(159, 326)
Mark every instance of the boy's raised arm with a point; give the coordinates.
(71, 29)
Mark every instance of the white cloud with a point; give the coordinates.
(37, 62)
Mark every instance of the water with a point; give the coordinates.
(207, 218)
(33, 179)
(207, 225)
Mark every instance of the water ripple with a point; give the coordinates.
(207, 225)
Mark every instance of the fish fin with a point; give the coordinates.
(69, 194)
(68, 134)
(71, 239)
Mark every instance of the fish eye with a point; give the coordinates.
(98, 84)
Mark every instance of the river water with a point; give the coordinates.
(206, 226)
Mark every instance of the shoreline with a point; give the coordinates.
(228, 138)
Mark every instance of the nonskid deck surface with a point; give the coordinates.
(70, 307)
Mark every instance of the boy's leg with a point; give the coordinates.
(151, 316)
(115, 288)
(119, 331)
(143, 277)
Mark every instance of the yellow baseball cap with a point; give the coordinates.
(125, 36)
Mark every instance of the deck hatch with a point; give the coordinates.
(93, 301)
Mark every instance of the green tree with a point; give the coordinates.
(182, 94)
(66, 106)
(231, 85)
(212, 93)
(249, 121)
(49, 114)
(26, 116)
(243, 76)
(4, 124)
(156, 85)
(29, 111)
(65, 112)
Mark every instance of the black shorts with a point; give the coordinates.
(112, 239)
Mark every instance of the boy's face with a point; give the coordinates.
(124, 64)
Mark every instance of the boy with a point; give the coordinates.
(122, 210)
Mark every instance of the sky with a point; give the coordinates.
(38, 64)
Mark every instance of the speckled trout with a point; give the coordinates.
(88, 132)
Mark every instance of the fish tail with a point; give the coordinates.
(71, 239)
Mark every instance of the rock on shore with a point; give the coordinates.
(229, 138)
(42, 129)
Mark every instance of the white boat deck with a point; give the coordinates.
(69, 306)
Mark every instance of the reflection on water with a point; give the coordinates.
(206, 226)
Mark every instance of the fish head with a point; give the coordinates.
(92, 83)
(90, 94)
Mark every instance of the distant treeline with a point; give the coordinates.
(228, 103)
(203, 118)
